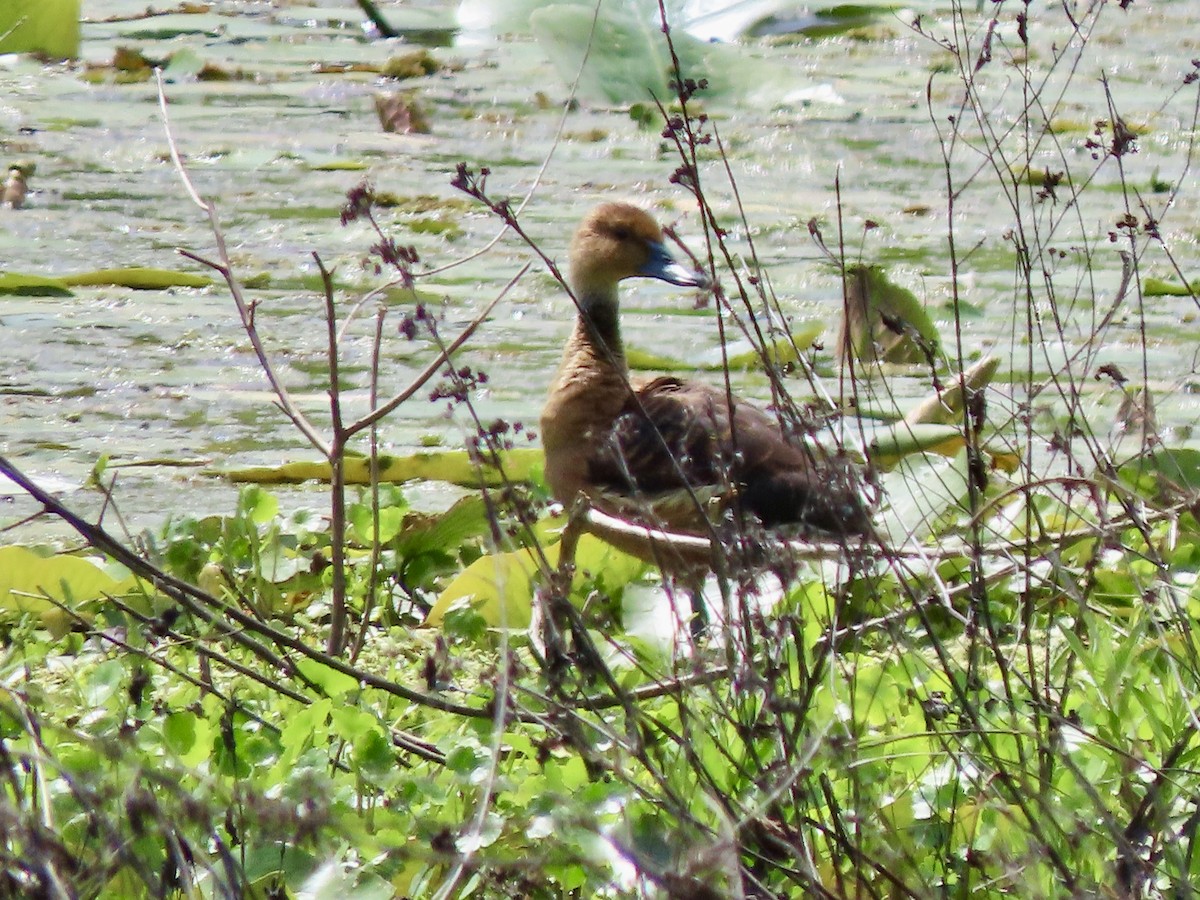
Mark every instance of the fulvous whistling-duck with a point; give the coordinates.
(668, 446)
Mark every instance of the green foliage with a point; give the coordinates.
(54, 587)
(295, 772)
(41, 26)
(885, 321)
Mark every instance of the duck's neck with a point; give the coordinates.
(598, 331)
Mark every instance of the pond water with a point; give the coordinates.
(158, 377)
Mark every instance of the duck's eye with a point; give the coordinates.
(621, 232)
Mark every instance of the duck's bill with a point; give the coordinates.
(664, 267)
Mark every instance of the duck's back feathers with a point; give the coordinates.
(673, 434)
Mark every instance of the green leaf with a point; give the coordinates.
(28, 579)
(350, 722)
(500, 586)
(331, 681)
(42, 26)
(904, 439)
(139, 278)
(259, 505)
(645, 361)
(446, 532)
(464, 759)
(921, 490)
(304, 728)
(884, 320)
(363, 520)
(626, 58)
(1158, 287)
(1165, 473)
(373, 751)
(783, 352)
(179, 732)
(338, 165)
(454, 466)
(33, 285)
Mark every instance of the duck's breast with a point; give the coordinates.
(587, 396)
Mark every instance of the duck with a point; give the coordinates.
(667, 451)
(16, 186)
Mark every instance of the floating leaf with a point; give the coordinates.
(626, 57)
(137, 277)
(921, 491)
(784, 352)
(184, 63)
(1158, 287)
(338, 165)
(905, 439)
(947, 406)
(453, 466)
(33, 285)
(645, 361)
(499, 586)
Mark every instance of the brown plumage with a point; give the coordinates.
(15, 188)
(666, 448)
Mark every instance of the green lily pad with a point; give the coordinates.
(921, 491)
(338, 165)
(139, 278)
(784, 352)
(453, 466)
(626, 57)
(645, 361)
(905, 439)
(32, 285)
(1158, 287)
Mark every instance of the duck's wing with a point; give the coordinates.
(675, 433)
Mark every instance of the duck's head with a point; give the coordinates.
(618, 241)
